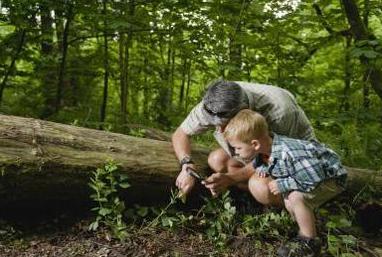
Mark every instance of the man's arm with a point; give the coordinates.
(182, 146)
(181, 143)
(239, 173)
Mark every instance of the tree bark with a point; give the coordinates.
(13, 62)
(360, 32)
(47, 161)
(125, 73)
(106, 68)
(64, 45)
(345, 102)
(47, 51)
(182, 84)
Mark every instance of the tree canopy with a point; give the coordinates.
(107, 64)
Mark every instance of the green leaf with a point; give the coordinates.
(93, 226)
(104, 211)
(370, 54)
(124, 185)
(143, 211)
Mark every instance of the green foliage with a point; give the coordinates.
(270, 225)
(168, 218)
(370, 49)
(106, 183)
(358, 143)
(340, 244)
(166, 52)
(7, 232)
(219, 218)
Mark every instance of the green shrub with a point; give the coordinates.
(106, 182)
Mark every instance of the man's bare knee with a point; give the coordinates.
(217, 160)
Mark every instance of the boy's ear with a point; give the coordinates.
(255, 144)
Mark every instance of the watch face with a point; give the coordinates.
(185, 160)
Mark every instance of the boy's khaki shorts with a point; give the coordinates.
(323, 193)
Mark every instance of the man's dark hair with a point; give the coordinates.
(224, 97)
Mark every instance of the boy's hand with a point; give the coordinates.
(273, 187)
(217, 183)
(261, 174)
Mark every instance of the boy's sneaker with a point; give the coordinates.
(300, 247)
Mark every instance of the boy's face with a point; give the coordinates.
(244, 150)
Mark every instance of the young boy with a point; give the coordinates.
(301, 174)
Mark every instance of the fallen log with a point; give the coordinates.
(42, 160)
(46, 160)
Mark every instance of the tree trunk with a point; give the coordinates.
(366, 73)
(51, 161)
(146, 88)
(345, 102)
(182, 84)
(64, 46)
(235, 57)
(47, 161)
(122, 77)
(106, 68)
(13, 62)
(188, 87)
(360, 33)
(125, 65)
(47, 73)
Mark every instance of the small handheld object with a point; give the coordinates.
(194, 174)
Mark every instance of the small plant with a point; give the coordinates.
(137, 132)
(105, 183)
(268, 225)
(340, 244)
(168, 218)
(220, 218)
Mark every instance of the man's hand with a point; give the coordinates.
(273, 187)
(184, 181)
(217, 183)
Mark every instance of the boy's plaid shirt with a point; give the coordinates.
(300, 165)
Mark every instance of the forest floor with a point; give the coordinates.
(67, 235)
(77, 241)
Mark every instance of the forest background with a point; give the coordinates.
(107, 64)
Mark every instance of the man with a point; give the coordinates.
(222, 101)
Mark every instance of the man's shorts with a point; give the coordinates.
(323, 193)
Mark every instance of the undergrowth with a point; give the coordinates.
(220, 222)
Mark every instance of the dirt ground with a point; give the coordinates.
(75, 240)
(66, 235)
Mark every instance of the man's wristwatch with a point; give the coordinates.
(186, 160)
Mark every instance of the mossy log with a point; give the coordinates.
(47, 161)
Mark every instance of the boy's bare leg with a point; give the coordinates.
(260, 191)
(303, 215)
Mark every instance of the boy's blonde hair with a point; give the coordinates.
(246, 126)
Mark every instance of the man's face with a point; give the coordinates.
(244, 150)
(219, 118)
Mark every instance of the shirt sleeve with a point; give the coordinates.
(196, 122)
